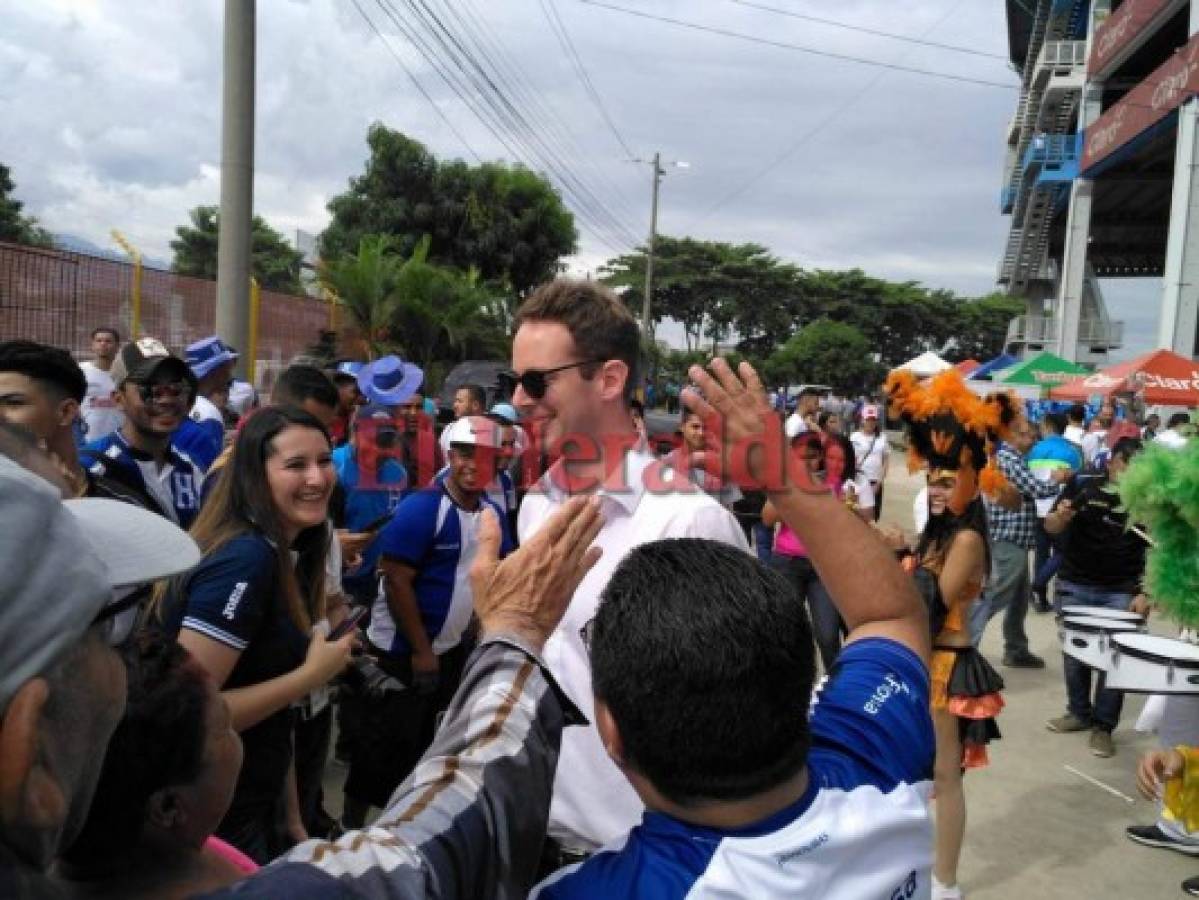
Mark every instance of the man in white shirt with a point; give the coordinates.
(872, 453)
(100, 414)
(575, 358)
(1076, 417)
(1092, 441)
(1175, 434)
(807, 404)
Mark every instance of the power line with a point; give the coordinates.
(811, 132)
(783, 45)
(412, 77)
(871, 31)
(542, 110)
(483, 106)
(512, 119)
(551, 13)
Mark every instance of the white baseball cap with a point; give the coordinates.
(473, 431)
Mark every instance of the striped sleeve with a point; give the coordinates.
(471, 818)
(227, 594)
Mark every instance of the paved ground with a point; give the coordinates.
(1037, 831)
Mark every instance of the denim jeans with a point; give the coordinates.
(1007, 590)
(826, 621)
(763, 541)
(1046, 562)
(1102, 707)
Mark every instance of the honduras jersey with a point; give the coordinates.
(438, 538)
(175, 488)
(860, 830)
(202, 434)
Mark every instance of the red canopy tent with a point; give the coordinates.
(1164, 377)
(966, 366)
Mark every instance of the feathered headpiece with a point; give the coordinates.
(1160, 489)
(951, 428)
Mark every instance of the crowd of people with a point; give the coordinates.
(550, 659)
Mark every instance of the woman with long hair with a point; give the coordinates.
(247, 611)
(951, 431)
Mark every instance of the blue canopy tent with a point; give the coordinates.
(987, 369)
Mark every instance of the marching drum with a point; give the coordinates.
(1088, 638)
(1149, 664)
(1102, 612)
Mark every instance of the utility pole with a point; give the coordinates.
(647, 329)
(237, 178)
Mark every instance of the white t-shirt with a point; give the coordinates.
(795, 425)
(871, 452)
(1092, 443)
(593, 803)
(1074, 434)
(100, 413)
(863, 490)
(1171, 438)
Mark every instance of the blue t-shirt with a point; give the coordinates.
(366, 503)
(232, 598)
(861, 828)
(438, 538)
(202, 441)
(175, 489)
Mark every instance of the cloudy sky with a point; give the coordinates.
(110, 117)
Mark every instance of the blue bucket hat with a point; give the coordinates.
(389, 380)
(205, 355)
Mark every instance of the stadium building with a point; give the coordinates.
(1102, 175)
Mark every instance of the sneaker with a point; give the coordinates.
(1023, 660)
(1067, 724)
(1152, 836)
(1191, 886)
(1101, 743)
(950, 891)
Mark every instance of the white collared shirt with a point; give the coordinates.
(593, 804)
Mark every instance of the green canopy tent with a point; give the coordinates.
(1043, 372)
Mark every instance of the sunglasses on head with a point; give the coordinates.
(535, 382)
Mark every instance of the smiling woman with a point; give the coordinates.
(247, 612)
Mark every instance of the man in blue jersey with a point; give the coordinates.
(703, 666)
(155, 391)
(1051, 453)
(419, 624)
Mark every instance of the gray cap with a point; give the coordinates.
(60, 563)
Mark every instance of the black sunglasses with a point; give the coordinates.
(534, 380)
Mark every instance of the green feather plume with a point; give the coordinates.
(1160, 489)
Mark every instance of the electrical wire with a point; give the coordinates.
(812, 132)
(954, 48)
(541, 110)
(563, 34)
(784, 45)
(416, 83)
(512, 119)
(484, 107)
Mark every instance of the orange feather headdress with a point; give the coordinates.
(951, 428)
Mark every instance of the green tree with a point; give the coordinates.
(274, 262)
(826, 352)
(428, 313)
(13, 226)
(505, 222)
(982, 326)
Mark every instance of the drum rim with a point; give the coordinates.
(1150, 656)
(1117, 615)
(1071, 623)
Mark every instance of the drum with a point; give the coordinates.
(1088, 638)
(1102, 612)
(1149, 664)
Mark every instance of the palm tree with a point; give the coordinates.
(364, 284)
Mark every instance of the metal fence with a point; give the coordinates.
(57, 297)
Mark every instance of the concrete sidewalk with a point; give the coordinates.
(1035, 830)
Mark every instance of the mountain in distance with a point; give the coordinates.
(76, 244)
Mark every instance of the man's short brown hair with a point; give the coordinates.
(598, 321)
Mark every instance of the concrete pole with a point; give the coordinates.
(237, 179)
(1180, 281)
(647, 326)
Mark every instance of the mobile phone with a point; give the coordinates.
(349, 623)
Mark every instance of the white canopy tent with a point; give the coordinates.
(926, 365)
